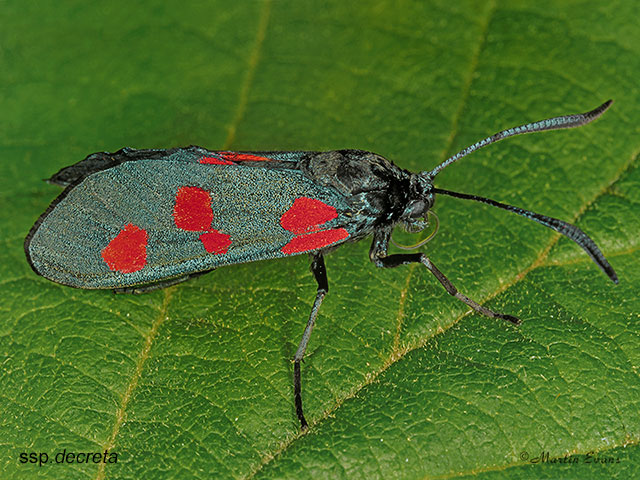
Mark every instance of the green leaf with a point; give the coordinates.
(400, 380)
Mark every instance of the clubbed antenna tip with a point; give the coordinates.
(555, 123)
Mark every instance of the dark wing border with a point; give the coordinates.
(99, 161)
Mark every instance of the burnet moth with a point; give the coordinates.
(137, 220)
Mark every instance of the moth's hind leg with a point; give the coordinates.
(150, 287)
(320, 274)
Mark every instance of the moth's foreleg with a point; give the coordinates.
(320, 273)
(396, 260)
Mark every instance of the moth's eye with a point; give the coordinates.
(417, 209)
(431, 199)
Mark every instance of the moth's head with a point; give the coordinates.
(420, 201)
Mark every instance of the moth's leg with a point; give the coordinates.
(139, 289)
(320, 273)
(378, 254)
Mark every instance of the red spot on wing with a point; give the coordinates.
(229, 158)
(215, 161)
(306, 215)
(192, 211)
(314, 241)
(243, 157)
(127, 252)
(215, 241)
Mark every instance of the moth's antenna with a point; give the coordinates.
(570, 231)
(555, 123)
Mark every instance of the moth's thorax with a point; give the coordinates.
(376, 189)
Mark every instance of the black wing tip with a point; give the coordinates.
(90, 164)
